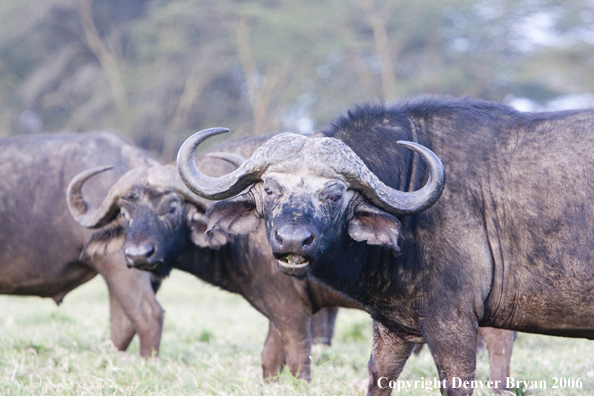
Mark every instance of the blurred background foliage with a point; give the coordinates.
(159, 70)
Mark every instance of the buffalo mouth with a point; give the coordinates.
(293, 265)
(144, 266)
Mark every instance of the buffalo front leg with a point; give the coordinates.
(389, 354)
(288, 344)
(452, 341)
(296, 336)
(132, 290)
(500, 344)
(122, 330)
(273, 354)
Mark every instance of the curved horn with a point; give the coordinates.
(405, 203)
(166, 176)
(333, 152)
(233, 159)
(96, 218)
(217, 188)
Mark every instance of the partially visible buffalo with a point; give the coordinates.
(44, 252)
(505, 243)
(164, 225)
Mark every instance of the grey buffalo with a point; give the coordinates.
(505, 242)
(44, 252)
(164, 224)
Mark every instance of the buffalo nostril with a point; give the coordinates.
(297, 240)
(278, 238)
(150, 251)
(138, 254)
(308, 241)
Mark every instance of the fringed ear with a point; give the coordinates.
(235, 216)
(375, 227)
(105, 241)
(196, 221)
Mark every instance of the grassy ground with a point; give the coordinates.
(211, 346)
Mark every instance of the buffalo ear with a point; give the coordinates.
(235, 216)
(375, 226)
(196, 221)
(105, 241)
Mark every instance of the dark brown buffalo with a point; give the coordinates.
(505, 242)
(499, 342)
(164, 225)
(44, 252)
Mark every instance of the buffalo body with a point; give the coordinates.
(496, 234)
(44, 252)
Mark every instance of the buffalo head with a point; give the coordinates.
(152, 208)
(311, 193)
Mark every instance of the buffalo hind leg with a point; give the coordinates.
(322, 325)
(500, 344)
(417, 349)
(389, 354)
(273, 354)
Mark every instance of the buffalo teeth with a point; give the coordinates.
(295, 260)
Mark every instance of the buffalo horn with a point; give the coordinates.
(167, 177)
(334, 152)
(98, 217)
(399, 202)
(215, 188)
(233, 159)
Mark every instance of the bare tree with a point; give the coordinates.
(377, 21)
(260, 87)
(106, 58)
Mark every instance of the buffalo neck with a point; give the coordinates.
(369, 274)
(224, 267)
(357, 269)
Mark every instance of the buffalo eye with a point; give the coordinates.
(172, 208)
(333, 200)
(125, 215)
(169, 209)
(268, 191)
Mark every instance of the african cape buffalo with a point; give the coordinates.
(44, 252)
(164, 224)
(504, 243)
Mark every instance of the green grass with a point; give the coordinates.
(211, 346)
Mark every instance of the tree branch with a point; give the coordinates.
(376, 20)
(106, 58)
